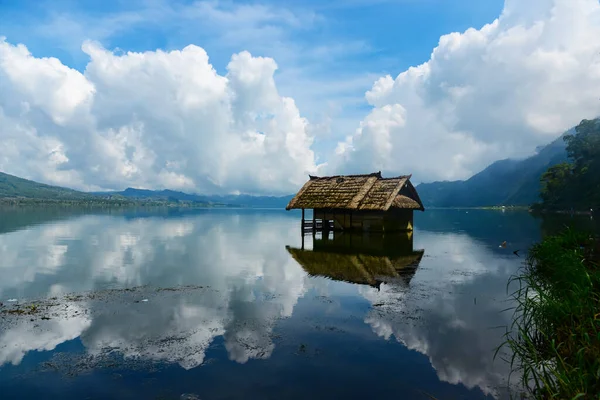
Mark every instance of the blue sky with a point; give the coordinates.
(230, 96)
(396, 34)
(360, 39)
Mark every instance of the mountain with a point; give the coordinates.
(230, 200)
(505, 182)
(167, 195)
(255, 201)
(12, 186)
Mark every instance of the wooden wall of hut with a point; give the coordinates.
(366, 220)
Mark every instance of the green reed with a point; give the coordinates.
(555, 333)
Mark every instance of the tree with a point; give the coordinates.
(583, 148)
(575, 184)
(555, 182)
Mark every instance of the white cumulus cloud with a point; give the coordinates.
(168, 119)
(484, 94)
(153, 119)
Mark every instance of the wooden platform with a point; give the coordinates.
(317, 225)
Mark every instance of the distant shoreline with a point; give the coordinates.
(499, 208)
(530, 209)
(568, 212)
(97, 203)
(104, 203)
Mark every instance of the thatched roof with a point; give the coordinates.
(357, 192)
(361, 269)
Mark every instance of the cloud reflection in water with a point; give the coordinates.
(250, 281)
(250, 284)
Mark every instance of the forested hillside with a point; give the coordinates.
(505, 182)
(12, 186)
(575, 184)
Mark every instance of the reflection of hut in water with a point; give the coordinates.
(361, 258)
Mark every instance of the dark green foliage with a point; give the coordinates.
(575, 185)
(505, 182)
(554, 181)
(555, 336)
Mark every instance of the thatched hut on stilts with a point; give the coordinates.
(358, 202)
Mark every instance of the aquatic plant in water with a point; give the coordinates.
(555, 333)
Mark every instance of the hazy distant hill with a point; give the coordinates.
(254, 201)
(167, 195)
(12, 186)
(505, 182)
(230, 200)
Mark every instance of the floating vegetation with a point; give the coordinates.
(47, 308)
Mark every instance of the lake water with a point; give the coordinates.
(225, 303)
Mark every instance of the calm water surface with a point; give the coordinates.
(236, 304)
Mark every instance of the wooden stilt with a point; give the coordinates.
(333, 222)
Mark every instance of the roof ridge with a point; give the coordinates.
(360, 195)
(394, 193)
(377, 174)
(398, 177)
